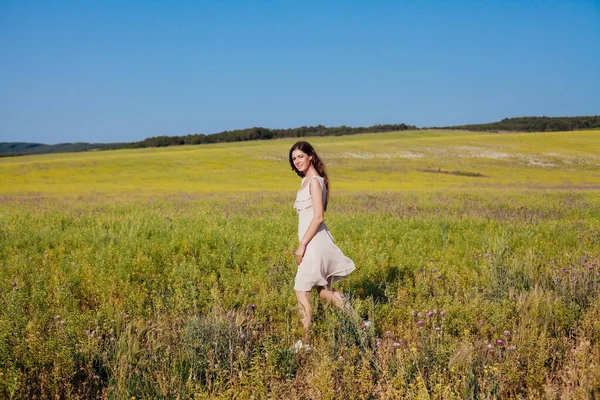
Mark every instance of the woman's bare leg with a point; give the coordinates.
(305, 312)
(339, 300)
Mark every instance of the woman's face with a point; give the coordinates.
(301, 160)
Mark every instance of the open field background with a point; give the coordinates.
(167, 273)
(372, 162)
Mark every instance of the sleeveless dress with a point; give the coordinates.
(323, 262)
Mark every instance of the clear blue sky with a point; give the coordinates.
(107, 71)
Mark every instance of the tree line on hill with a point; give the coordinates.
(257, 133)
(534, 124)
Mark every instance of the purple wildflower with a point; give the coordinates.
(506, 333)
(442, 314)
(420, 323)
(429, 314)
(243, 336)
(499, 342)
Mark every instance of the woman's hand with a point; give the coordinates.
(299, 253)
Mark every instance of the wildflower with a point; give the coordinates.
(442, 314)
(13, 283)
(490, 346)
(499, 342)
(438, 329)
(435, 311)
(297, 346)
(388, 333)
(511, 348)
(420, 323)
(395, 345)
(243, 336)
(367, 324)
(429, 314)
(413, 313)
(440, 276)
(378, 342)
(565, 271)
(480, 322)
(95, 377)
(506, 333)
(419, 314)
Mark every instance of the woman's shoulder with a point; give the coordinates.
(319, 179)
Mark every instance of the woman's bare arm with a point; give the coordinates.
(317, 200)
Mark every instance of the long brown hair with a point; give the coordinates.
(307, 149)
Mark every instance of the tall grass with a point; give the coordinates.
(470, 296)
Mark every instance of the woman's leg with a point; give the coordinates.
(339, 300)
(305, 312)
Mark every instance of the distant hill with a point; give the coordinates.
(533, 124)
(256, 133)
(520, 124)
(22, 149)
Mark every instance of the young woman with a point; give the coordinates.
(320, 261)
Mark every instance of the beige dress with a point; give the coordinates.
(323, 261)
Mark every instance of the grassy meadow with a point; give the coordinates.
(168, 273)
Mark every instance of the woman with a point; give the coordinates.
(320, 261)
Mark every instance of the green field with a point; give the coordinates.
(167, 272)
